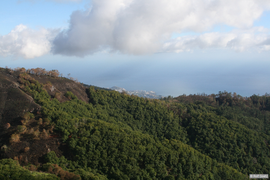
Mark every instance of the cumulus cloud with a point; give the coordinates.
(27, 43)
(143, 26)
(238, 40)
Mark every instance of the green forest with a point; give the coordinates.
(118, 136)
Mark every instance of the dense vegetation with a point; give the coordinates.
(118, 136)
(10, 169)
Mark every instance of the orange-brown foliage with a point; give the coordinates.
(36, 133)
(44, 134)
(20, 157)
(32, 168)
(50, 170)
(14, 138)
(24, 122)
(57, 95)
(51, 129)
(26, 149)
(40, 121)
(31, 131)
(7, 125)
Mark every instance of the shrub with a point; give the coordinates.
(57, 95)
(36, 133)
(47, 121)
(40, 121)
(44, 134)
(31, 167)
(4, 148)
(24, 122)
(51, 129)
(21, 128)
(58, 171)
(26, 116)
(70, 95)
(14, 138)
(26, 149)
(31, 131)
(7, 126)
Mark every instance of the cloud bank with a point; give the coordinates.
(257, 38)
(27, 43)
(145, 27)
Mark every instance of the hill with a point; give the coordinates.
(140, 93)
(79, 132)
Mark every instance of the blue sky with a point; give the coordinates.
(171, 47)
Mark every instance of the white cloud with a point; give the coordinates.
(145, 26)
(27, 43)
(142, 26)
(238, 40)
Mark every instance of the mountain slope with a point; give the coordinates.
(109, 135)
(13, 101)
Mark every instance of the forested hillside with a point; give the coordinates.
(94, 133)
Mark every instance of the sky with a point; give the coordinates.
(172, 47)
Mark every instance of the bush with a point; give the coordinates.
(70, 95)
(58, 171)
(36, 133)
(4, 148)
(44, 134)
(47, 121)
(21, 128)
(28, 116)
(7, 126)
(26, 149)
(40, 121)
(14, 138)
(10, 169)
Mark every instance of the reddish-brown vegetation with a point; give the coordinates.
(26, 149)
(7, 126)
(14, 138)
